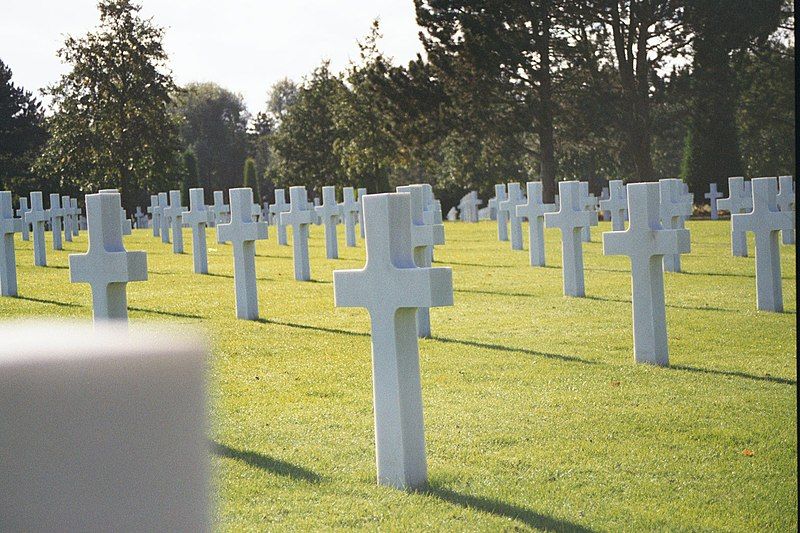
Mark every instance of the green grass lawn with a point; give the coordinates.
(535, 414)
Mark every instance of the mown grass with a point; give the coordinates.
(535, 415)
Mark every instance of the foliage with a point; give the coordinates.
(250, 178)
(22, 134)
(111, 126)
(189, 180)
(213, 124)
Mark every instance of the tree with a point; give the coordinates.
(641, 34)
(250, 178)
(711, 151)
(308, 133)
(213, 124)
(22, 133)
(189, 180)
(111, 126)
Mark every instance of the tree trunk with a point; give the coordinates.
(547, 157)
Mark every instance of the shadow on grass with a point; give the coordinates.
(523, 515)
(500, 347)
(230, 276)
(736, 374)
(51, 302)
(265, 462)
(447, 263)
(312, 328)
(165, 313)
(672, 306)
(495, 293)
(60, 267)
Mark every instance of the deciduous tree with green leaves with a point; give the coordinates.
(110, 125)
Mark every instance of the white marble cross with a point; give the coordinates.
(362, 192)
(432, 214)
(66, 206)
(349, 209)
(106, 266)
(8, 264)
(221, 210)
(765, 221)
(423, 238)
(472, 203)
(391, 287)
(673, 208)
(646, 242)
(712, 196)
(509, 209)
(56, 214)
(786, 203)
(23, 208)
(174, 214)
(299, 216)
(452, 215)
(242, 233)
(605, 194)
(501, 196)
(124, 221)
(155, 214)
(103, 428)
(163, 203)
(280, 206)
(588, 203)
(570, 219)
(141, 218)
(76, 214)
(616, 204)
(534, 210)
(197, 218)
(256, 213)
(330, 213)
(739, 201)
(36, 217)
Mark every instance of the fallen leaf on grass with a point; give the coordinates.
(748, 452)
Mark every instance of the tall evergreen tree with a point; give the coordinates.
(251, 178)
(22, 134)
(711, 150)
(111, 126)
(189, 180)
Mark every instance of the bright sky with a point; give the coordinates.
(243, 45)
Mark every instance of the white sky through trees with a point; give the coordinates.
(243, 45)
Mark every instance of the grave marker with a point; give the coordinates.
(299, 216)
(765, 221)
(570, 219)
(280, 206)
(534, 210)
(76, 215)
(242, 233)
(616, 204)
(392, 288)
(509, 209)
(155, 214)
(106, 266)
(197, 218)
(739, 200)
(23, 208)
(673, 208)
(8, 264)
(174, 214)
(56, 214)
(589, 204)
(712, 196)
(423, 238)
(36, 217)
(786, 203)
(501, 196)
(67, 218)
(163, 203)
(361, 193)
(329, 213)
(645, 242)
(349, 209)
